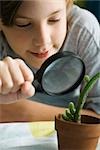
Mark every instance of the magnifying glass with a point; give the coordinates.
(61, 73)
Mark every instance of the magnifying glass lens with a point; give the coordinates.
(62, 74)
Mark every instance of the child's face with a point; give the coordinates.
(39, 30)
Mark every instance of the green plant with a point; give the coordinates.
(73, 112)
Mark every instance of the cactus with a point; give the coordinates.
(73, 112)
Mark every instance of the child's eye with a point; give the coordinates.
(53, 20)
(23, 25)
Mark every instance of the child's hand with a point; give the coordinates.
(15, 80)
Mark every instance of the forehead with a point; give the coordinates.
(32, 7)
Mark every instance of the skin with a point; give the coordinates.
(38, 32)
(31, 27)
(42, 31)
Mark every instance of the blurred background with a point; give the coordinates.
(91, 5)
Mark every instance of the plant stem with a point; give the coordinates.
(83, 95)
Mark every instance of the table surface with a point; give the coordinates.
(21, 136)
(47, 146)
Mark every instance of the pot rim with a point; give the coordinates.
(81, 123)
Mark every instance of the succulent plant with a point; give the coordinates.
(73, 112)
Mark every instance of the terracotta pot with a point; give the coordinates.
(78, 136)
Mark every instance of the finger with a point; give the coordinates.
(27, 73)
(15, 72)
(27, 90)
(0, 85)
(15, 89)
(5, 78)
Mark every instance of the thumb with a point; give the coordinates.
(27, 90)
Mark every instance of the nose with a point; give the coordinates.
(42, 37)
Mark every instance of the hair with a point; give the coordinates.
(9, 9)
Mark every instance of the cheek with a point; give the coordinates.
(59, 33)
(17, 40)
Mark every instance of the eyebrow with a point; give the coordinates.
(25, 17)
(56, 12)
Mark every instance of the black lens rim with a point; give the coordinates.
(40, 72)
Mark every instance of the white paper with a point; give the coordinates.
(29, 136)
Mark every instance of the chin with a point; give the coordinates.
(37, 65)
